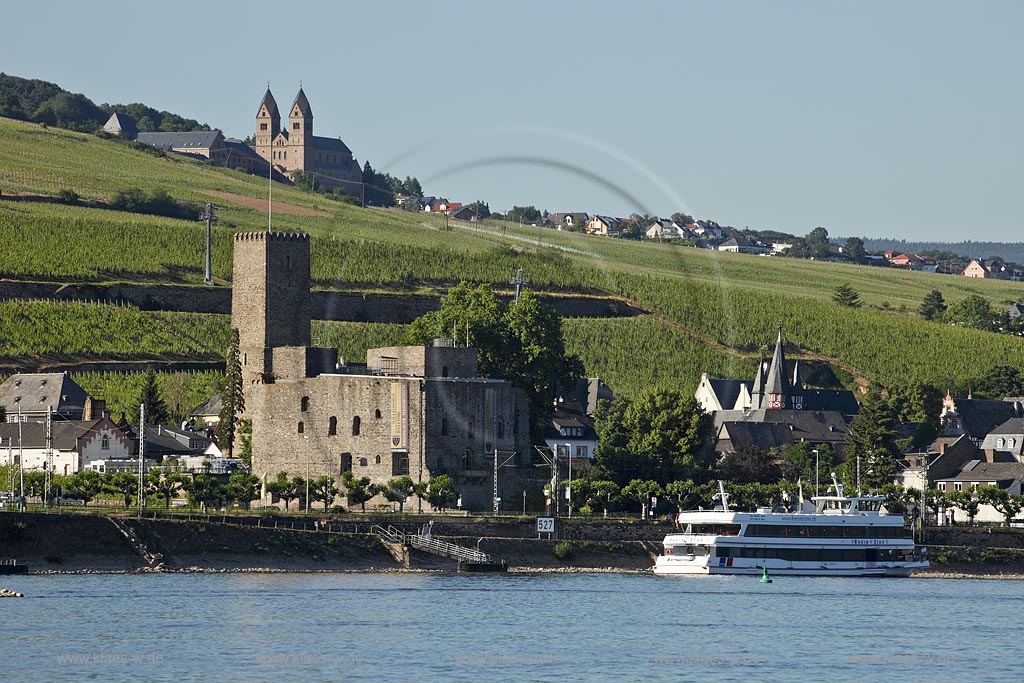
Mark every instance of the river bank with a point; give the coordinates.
(76, 543)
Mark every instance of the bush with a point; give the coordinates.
(564, 550)
(68, 197)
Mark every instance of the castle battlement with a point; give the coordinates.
(263, 235)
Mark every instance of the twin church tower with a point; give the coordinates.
(295, 148)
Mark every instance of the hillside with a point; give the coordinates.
(707, 311)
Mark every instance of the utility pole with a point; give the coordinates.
(49, 457)
(21, 461)
(142, 449)
(518, 281)
(210, 220)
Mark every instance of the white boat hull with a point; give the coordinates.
(670, 566)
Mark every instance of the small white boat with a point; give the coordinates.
(841, 536)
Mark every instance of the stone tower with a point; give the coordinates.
(270, 303)
(300, 130)
(268, 125)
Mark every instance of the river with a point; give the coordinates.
(421, 627)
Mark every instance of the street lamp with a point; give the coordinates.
(568, 453)
(815, 451)
(306, 438)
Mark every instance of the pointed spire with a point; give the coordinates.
(797, 384)
(302, 103)
(269, 102)
(777, 383)
(758, 391)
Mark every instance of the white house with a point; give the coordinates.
(75, 445)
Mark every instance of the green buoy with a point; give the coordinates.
(764, 577)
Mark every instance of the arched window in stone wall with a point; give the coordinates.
(378, 459)
(302, 427)
(346, 463)
(501, 428)
(362, 462)
(355, 426)
(444, 371)
(444, 426)
(376, 414)
(304, 404)
(332, 426)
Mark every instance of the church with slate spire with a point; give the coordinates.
(775, 408)
(294, 147)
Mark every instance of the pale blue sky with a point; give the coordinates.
(869, 118)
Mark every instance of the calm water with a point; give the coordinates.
(581, 627)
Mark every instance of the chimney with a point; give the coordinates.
(94, 407)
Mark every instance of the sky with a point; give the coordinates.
(877, 119)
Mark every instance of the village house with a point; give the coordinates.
(567, 221)
(975, 417)
(606, 226)
(665, 229)
(739, 244)
(31, 395)
(77, 445)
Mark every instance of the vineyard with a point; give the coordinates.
(695, 296)
(181, 391)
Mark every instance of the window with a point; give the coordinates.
(378, 460)
(302, 428)
(469, 430)
(958, 486)
(399, 464)
(362, 462)
(105, 443)
(942, 486)
(581, 452)
(444, 371)
(444, 426)
(999, 442)
(355, 426)
(296, 125)
(1009, 443)
(263, 126)
(346, 463)
(304, 404)
(332, 426)
(501, 428)
(376, 414)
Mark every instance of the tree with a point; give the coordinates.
(641, 491)
(521, 341)
(398, 491)
(282, 488)
(1005, 503)
(156, 409)
(378, 188)
(967, 501)
(873, 440)
(854, 249)
(975, 312)
(163, 486)
(85, 485)
(845, 295)
(933, 305)
(680, 218)
(801, 463)
(202, 490)
(245, 441)
(323, 489)
(686, 494)
(299, 487)
(523, 214)
(1000, 382)
(359, 490)
(231, 395)
(661, 435)
(601, 495)
(123, 484)
(748, 464)
(441, 492)
(934, 500)
(243, 488)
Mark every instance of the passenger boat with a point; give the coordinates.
(840, 536)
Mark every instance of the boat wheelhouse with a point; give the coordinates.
(842, 536)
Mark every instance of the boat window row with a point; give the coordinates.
(819, 554)
(825, 531)
(714, 529)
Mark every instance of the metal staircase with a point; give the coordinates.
(153, 560)
(426, 542)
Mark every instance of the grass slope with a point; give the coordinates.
(732, 301)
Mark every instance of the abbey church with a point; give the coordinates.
(295, 148)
